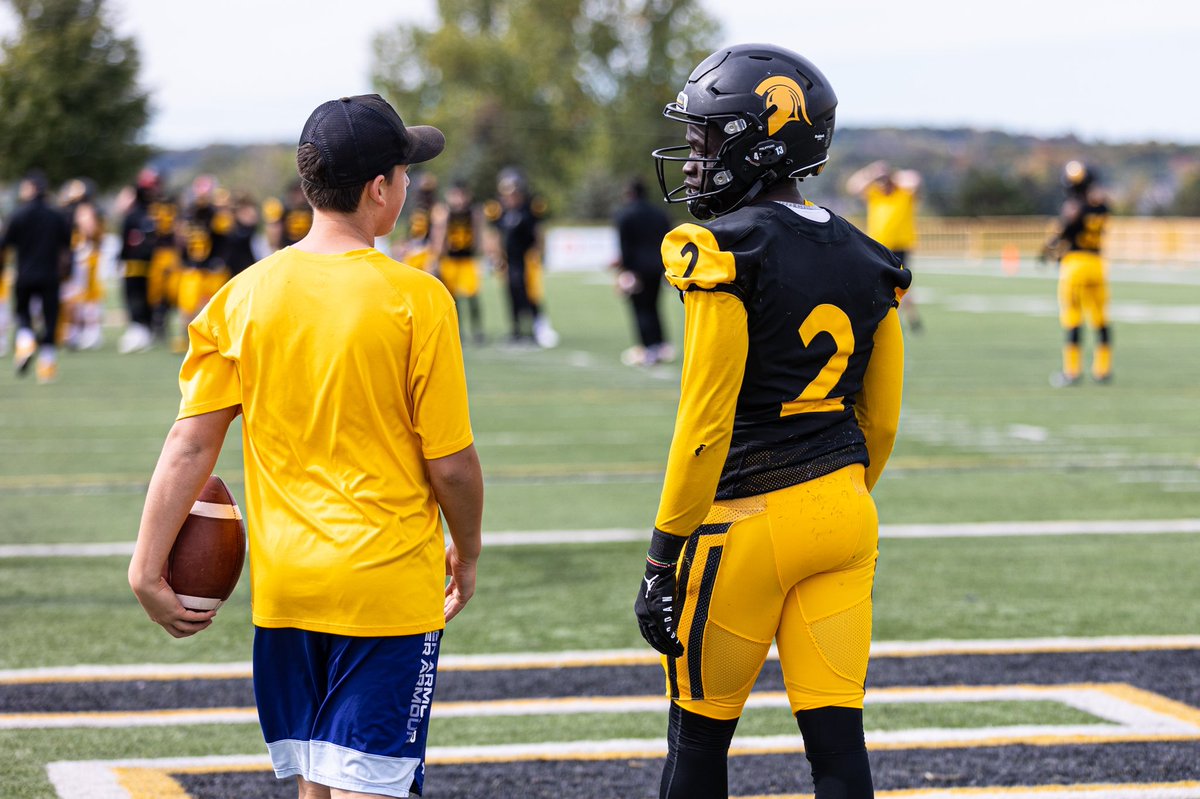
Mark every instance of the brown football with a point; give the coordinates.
(206, 560)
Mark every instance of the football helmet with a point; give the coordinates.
(1078, 177)
(767, 115)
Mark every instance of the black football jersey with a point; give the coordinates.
(460, 233)
(1083, 230)
(814, 293)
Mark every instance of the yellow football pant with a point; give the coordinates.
(1082, 290)
(795, 566)
(196, 287)
(461, 276)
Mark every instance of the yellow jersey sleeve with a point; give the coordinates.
(208, 380)
(715, 346)
(877, 406)
(693, 259)
(441, 418)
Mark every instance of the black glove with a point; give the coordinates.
(655, 603)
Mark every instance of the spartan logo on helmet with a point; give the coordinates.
(786, 97)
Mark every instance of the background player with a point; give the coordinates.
(790, 399)
(347, 556)
(641, 228)
(207, 223)
(890, 196)
(416, 249)
(457, 228)
(289, 220)
(519, 223)
(41, 238)
(1082, 274)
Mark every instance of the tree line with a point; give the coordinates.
(567, 91)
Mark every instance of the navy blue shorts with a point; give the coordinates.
(346, 712)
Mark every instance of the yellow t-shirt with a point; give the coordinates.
(350, 375)
(892, 217)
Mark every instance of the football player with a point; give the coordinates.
(138, 237)
(457, 225)
(790, 398)
(288, 221)
(890, 196)
(416, 249)
(1082, 275)
(207, 224)
(519, 223)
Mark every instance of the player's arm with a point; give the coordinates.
(857, 183)
(714, 361)
(458, 486)
(715, 345)
(188, 457)
(877, 406)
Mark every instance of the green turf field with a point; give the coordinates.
(572, 440)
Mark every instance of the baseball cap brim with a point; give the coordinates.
(425, 142)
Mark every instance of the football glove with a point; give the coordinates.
(655, 603)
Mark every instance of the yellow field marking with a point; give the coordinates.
(146, 783)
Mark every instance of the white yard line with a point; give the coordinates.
(626, 534)
(602, 657)
(1125, 715)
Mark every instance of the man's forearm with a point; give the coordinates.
(188, 457)
(458, 486)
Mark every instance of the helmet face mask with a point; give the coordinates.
(772, 112)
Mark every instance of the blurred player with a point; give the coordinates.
(789, 404)
(520, 258)
(289, 220)
(641, 228)
(207, 223)
(416, 250)
(457, 228)
(41, 239)
(138, 242)
(890, 196)
(239, 245)
(162, 281)
(1082, 275)
(83, 291)
(347, 370)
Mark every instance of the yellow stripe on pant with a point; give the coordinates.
(795, 566)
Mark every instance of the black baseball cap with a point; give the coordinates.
(362, 137)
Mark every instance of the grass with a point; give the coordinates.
(571, 439)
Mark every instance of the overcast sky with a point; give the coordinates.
(251, 70)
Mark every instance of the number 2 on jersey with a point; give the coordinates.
(815, 396)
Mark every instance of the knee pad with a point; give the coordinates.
(1102, 335)
(1073, 335)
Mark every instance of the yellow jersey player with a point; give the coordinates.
(790, 398)
(416, 249)
(457, 228)
(346, 368)
(83, 291)
(207, 224)
(890, 196)
(1082, 275)
(289, 220)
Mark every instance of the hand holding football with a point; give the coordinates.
(206, 560)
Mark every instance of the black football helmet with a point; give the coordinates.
(772, 112)
(1077, 178)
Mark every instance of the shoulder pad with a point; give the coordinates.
(693, 259)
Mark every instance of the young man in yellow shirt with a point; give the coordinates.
(347, 370)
